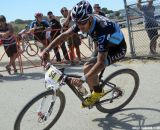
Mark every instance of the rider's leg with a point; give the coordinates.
(96, 90)
(13, 58)
(94, 81)
(114, 55)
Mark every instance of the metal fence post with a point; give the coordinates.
(129, 31)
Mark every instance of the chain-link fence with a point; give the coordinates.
(144, 26)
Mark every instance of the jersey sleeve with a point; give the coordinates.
(75, 28)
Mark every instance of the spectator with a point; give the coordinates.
(74, 41)
(56, 27)
(149, 20)
(39, 28)
(9, 43)
(97, 10)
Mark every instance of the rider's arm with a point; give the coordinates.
(60, 39)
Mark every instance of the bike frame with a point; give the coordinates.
(102, 84)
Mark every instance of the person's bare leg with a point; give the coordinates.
(71, 53)
(94, 81)
(12, 61)
(78, 53)
(14, 66)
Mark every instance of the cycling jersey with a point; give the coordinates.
(109, 38)
(104, 32)
(39, 33)
(40, 26)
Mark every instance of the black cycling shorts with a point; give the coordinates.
(11, 50)
(115, 54)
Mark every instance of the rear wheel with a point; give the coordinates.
(123, 87)
(30, 116)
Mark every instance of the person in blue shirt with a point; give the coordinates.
(149, 20)
(111, 46)
(39, 27)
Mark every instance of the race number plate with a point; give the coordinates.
(53, 74)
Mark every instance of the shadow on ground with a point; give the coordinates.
(123, 120)
(26, 76)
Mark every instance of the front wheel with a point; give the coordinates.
(120, 87)
(42, 112)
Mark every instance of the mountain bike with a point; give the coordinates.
(29, 45)
(43, 111)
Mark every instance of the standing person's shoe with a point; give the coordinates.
(15, 71)
(66, 61)
(8, 69)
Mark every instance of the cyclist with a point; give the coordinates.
(111, 46)
(39, 28)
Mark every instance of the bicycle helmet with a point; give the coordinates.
(38, 15)
(81, 11)
(2, 18)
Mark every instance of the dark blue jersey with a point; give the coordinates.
(40, 26)
(104, 32)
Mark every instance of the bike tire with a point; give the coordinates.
(116, 73)
(20, 116)
(35, 50)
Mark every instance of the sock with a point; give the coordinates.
(97, 89)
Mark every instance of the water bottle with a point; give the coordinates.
(82, 90)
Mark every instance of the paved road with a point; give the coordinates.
(143, 110)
